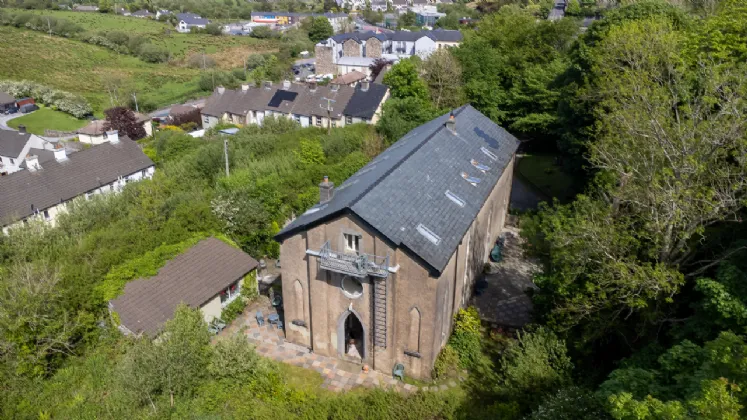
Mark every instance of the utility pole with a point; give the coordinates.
(329, 113)
(225, 153)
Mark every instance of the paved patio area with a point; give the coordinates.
(505, 301)
(339, 375)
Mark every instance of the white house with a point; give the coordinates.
(46, 188)
(95, 133)
(15, 145)
(187, 21)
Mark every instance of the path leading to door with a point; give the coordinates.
(339, 375)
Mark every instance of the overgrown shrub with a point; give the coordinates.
(233, 309)
(447, 363)
(466, 340)
(200, 61)
(63, 101)
(153, 54)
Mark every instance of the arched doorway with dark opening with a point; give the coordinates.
(351, 337)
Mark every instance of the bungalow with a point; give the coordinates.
(208, 276)
(351, 79)
(6, 101)
(95, 133)
(15, 145)
(312, 105)
(46, 187)
(143, 14)
(187, 21)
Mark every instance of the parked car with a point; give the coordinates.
(29, 108)
(11, 110)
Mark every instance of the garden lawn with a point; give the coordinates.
(547, 176)
(49, 119)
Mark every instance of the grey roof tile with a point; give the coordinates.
(56, 182)
(12, 143)
(194, 278)
(406, 184)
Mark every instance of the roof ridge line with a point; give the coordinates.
(398, 164)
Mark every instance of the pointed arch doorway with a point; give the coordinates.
(351, 336)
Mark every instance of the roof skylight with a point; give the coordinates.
(455, 198)
(488, 153)
(471, 179)
(479, 166)
(428, 234)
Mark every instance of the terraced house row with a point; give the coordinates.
(309, 104)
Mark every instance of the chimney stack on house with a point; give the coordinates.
(59, 153)
(245, 87)
(220, 90)
(32, 163)
(451, 123)
(326, 190)
(113, 136)
(268, 84)
(21, 129)
(312, 86)
(286, 84)
(364, 86)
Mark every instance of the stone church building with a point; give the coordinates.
(375, 272)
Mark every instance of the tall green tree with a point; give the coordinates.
(404, 82)
(320, 29)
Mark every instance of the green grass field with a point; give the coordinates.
(223, 48)
(81, 68)
(47, 118)
(547, 176)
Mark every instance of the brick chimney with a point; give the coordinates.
(326, 190)
(364, 86)
(286, 84)
(220, 90)
(268, 84)
(312, 86)
(245, 88)
(451, 123)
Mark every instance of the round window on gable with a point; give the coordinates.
(351, 287)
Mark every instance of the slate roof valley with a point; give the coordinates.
(424, 191)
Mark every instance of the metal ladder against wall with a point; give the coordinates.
(379, 312)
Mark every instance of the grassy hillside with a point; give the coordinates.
(81, 68)
(163, 34)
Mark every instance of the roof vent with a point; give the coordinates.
(471, 179)
(479, 166)
(428, 234)
(455, 198)
(488, 153)
(451, 123)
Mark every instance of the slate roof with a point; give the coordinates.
(364, 104)
(192, 19)
(12, 143)
(194, 278)
(306, 102)
(6, 99)
(56, 182)
(446, 35)
(94, 128)
(404, 188)
(142, 13)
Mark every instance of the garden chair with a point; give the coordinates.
(399, 372)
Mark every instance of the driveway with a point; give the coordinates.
(5, 118)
